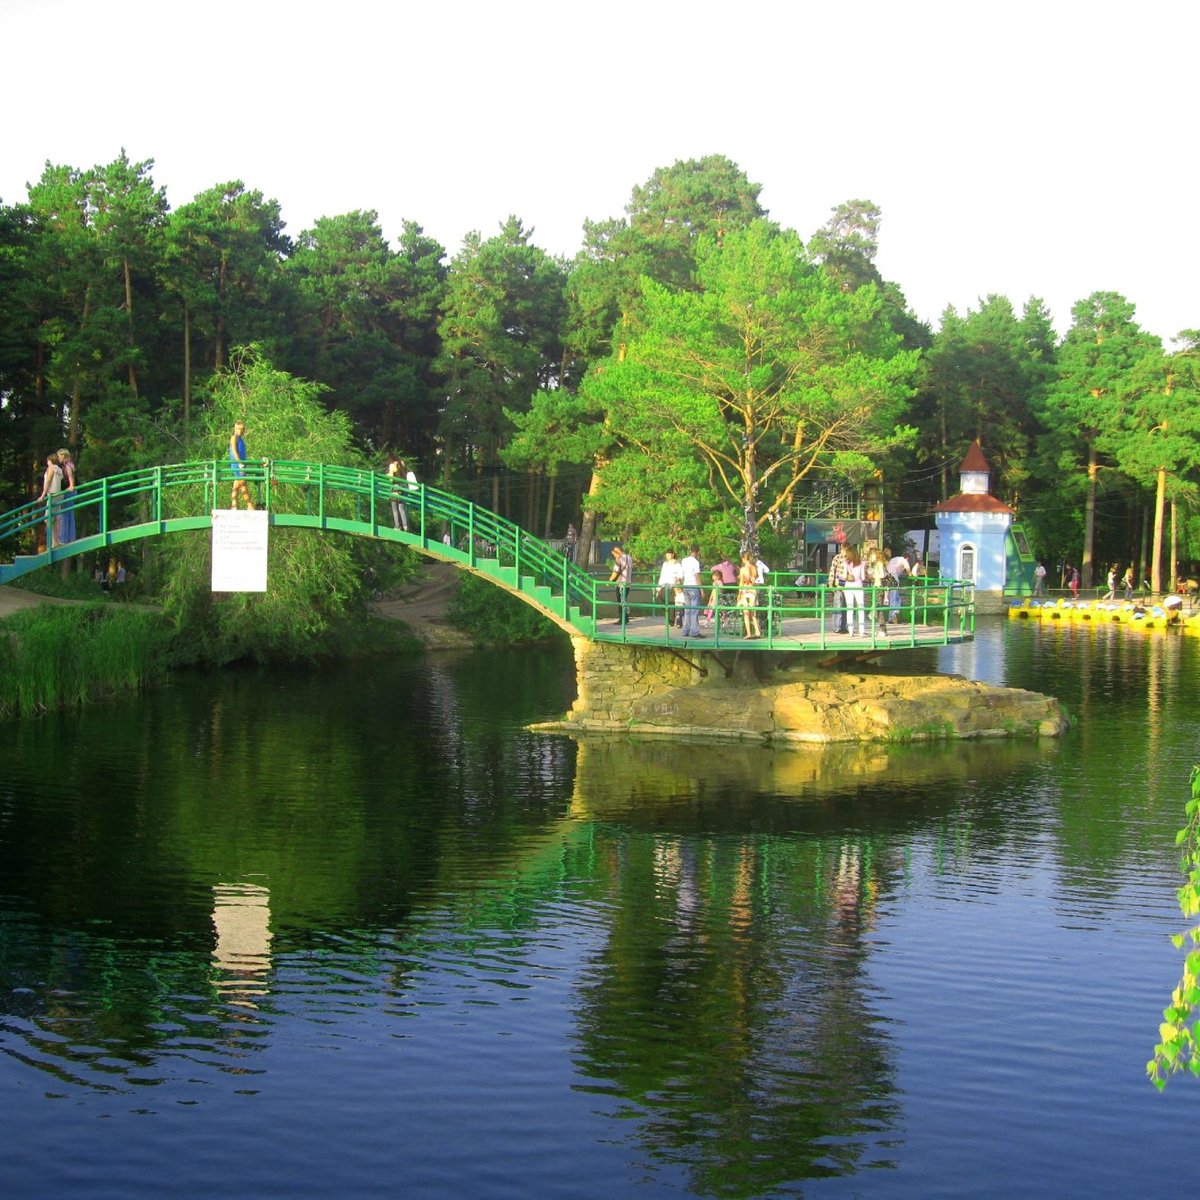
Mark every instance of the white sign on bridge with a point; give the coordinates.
(239, 550)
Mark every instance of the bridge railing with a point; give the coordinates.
(141, 501)
(926, 611)
(182, 495)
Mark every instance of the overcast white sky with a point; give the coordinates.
(1019, 148)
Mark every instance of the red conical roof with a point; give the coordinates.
(975, 460)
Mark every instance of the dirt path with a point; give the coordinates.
(14, 600)
(422, 606)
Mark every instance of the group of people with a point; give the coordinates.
(738, 588)
(681, 584)
(851, 573)
(1115, 580)
(58, 494)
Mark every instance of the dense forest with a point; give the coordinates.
(695, 372)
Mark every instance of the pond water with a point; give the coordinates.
(357, 931)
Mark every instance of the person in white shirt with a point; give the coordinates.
(691, 593)
(670, 577)
(853, 589)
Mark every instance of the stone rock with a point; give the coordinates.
(657, 692)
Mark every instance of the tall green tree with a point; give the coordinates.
(365, 322)
(846, 246)
(1157, 442)
(765, 375)
(29, 422)
(984, 374)
(129, 215)
(665, 218)
(1102, 365)
(657, 238)
(223, 264)
(501, 332)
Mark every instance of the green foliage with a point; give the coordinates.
(1180, 1047)
(366, 325)
(1104, 363)
(115, 310)
(76, 584)
(982, 376)
(491, 615)
(317, 583)
(501, 331)
(767, 373)
(55, 657)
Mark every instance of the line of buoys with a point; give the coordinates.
(1116, 612)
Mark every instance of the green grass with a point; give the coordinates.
(58, 657)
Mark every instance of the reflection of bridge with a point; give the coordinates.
(182, 496)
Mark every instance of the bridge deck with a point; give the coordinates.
(791, 633)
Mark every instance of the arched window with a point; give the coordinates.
(966, 562)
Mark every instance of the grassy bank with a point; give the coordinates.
(62, 656)
(56, 657)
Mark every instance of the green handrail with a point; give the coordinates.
(181, 496)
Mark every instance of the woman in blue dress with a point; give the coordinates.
(237, 465)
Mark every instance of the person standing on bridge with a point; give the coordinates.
(839, 572)
(853, 591)
(622, 576)
(899, 568)
(747, 597)
(396, 468)
(51, 486)
(65, 525)
(691, 593)
(237, 465)
(670, 580)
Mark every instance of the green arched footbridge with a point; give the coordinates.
(181, 496)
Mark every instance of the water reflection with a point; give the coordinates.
(380, 857)
(242, 954)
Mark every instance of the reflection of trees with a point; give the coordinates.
(728, 1006)
(402, 825)
(352, 801)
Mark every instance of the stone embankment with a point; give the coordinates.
(650, 691)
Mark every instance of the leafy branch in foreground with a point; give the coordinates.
(1178, 1048)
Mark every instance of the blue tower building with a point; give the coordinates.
(974, 531)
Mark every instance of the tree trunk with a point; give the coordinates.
(133, 383)
(76, 405)
(187, 364)
(945, 458)
(1143, 553)
(750, 483)
(548, 528)
(1160, 493)
(1089, 520)
(1174, 546)
(587, 527)
(219, 323)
